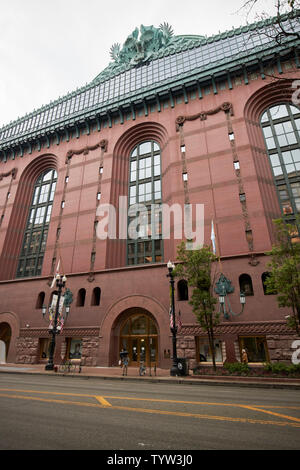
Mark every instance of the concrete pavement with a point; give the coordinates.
(160, 375)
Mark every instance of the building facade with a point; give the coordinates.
(174, 120)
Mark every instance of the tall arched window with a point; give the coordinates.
(36, 231)
(144, 244)
(281, 128)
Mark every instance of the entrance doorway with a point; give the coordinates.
(139, 337)
(5, 336)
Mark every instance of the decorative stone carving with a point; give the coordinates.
(12, 172)
(85, 150)
(226, 107)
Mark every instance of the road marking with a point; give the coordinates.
(151, 411)
(271, 413)
(102, 401)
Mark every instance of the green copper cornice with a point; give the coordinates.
(141, 75)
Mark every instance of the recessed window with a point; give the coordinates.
(36, 231)
(264, 277)
(204, 351)
(231, 136)
(81, 298)
(96, 296)
(40, 300)
(236, 165)
(245, 282)
(182, 290)
(144, 244)
(281, 130)
(184, 176)
(182, 148)
(256, 348)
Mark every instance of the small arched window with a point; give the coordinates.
(81, 298)
(246, 284)
(182, 290)
(264, 277)
(40, 300)
(96, 296)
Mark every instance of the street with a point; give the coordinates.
(51, 412)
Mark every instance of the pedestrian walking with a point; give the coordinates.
(124, 361)
(244, 356)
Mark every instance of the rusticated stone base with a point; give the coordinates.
(279, 338)
(27, 350)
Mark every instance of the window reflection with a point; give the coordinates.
(145, 189)
(280, 125)
(35, 236)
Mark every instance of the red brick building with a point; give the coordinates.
(174, 120)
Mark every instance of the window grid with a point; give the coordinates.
(281, 129)
(149, 74)
(36, 231)
(145, 188)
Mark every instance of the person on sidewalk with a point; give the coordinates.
(244, 356)
(124, 361)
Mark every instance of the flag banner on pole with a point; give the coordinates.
(61, 304)
(179, 323)
(213, 237)
(171, 318)
(54, 301)
(55, 274)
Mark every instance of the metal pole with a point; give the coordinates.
(174, 370)
(50, 366)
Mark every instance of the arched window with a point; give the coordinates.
(40, 300)
(36, 231)
(182, 290)
(81, 298)
(96, 296)
(246, 284)
(144, 244)
(281, 129)
(264, 277)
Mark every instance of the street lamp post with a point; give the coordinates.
(173, 328)
(60, 284)
(223, 288)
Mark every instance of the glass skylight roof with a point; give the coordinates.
(139, 78)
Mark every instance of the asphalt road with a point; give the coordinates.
(47, 413)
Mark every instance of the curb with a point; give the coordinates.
(169, 380)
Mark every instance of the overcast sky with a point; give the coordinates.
(51, 47)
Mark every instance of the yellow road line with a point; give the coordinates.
(102, 401)
(272, 413)
(151, 411)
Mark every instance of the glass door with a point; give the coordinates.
(143, 350)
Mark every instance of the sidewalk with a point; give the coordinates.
(162, 376)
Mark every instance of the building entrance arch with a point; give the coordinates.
(5, 338)
(139, 336)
